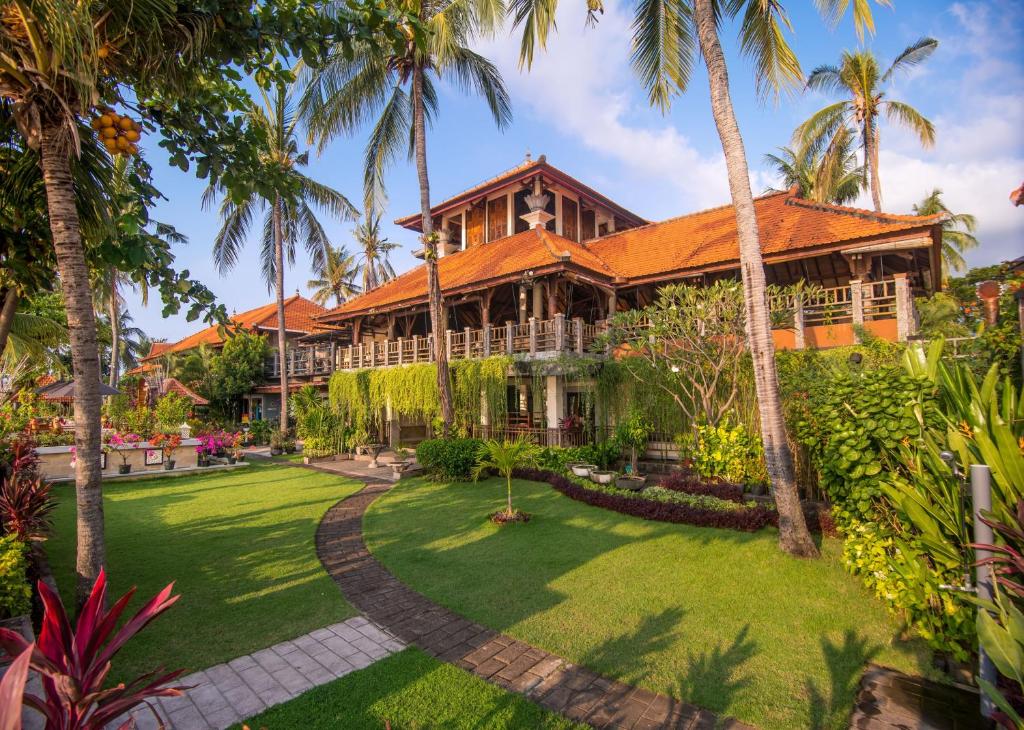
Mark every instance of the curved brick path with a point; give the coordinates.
(545, 678)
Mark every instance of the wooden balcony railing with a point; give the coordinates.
(858, 303)
(532, 338)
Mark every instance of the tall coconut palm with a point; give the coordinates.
(957, 231)
(374, 250)
(359, 84)
(859, 78)
(289, 216)
(668, 38)
(53, 69)
(829, 175)
(336, 279)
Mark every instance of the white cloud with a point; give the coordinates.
(581, 86)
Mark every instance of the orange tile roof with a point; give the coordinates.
(535, 249)
(523, 170)
(299, 314)
(701, 241)
(707, 239)
(173, 385)
(142, 369)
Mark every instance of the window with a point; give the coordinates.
(569, 228)
(497, 218)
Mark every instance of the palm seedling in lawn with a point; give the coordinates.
(505, 457)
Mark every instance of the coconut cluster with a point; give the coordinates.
(119, 133)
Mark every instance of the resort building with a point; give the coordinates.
(264, 402)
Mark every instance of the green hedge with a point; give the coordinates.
(448, 459)
(15, 594)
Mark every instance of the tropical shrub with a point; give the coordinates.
(259, 432)
(300, 404)
(15, 593)
(54, 438)
(728, 452)
(171, 411)
(603, 454)
(25, 507)
(505, 457)
(448, 459)
(75, 660)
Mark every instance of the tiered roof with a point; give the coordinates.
(705, 241)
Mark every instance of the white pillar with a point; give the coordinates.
(555, 400)
(905, 319)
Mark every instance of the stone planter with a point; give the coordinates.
(124, 468)
(602, 477)
(232, 459)
(169, 464)
(276, 451)
(397, 467)
(583, 470)
(634, 484)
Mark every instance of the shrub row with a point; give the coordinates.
(746, 519)
(448, 459)
(691, 484)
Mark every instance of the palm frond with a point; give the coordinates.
(909, 117)
(230, 239)
(777, 71)
(387, 141)
(537, 19)
(835, 10)
(911, 56)
(664, 47)
(475, 74)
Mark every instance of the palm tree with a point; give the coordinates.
(376, 267)
(51, 70)
(860, 80)
(957, 231)
(289, 217)
(829, 175)
(337, 279)
(667, 40)
(504, 458)
(358, 84)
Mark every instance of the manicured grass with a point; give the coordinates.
(715, 617)
(240, 546)
(409, 690)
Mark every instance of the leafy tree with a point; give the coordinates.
(957, 231)
(337, 277)
(859, 78)
(667, 40)
(289, 218)
(236, 370)
(819, 173)
(352, 88)
(505, 457)
(171, 411)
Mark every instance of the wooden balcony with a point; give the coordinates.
(541, 338)
(820, 318)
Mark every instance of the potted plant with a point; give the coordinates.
(632, 482)
(168, 444)
(632, 433)
(583, 470)
(288, 444)
(276, 443)
(123, 444)
(602, 477)
(238, 446)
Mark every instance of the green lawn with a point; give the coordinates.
(409, 690)
(240, 546)
(719, 618)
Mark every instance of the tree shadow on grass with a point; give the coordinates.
(714, 678)
(846, 664)
(627, 653)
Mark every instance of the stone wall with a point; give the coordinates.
(55, 461)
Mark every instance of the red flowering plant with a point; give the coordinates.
(75, 662)
(168, 443)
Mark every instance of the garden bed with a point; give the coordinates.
(678, 505)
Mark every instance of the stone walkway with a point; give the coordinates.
(229, 693)
(545, 678)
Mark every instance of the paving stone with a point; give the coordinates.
(188, 717)
(334, 664)
(224, 677)
(223, 718)
(244, 701)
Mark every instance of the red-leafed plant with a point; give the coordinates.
(12, 689)
(25, 502)
(75, 664)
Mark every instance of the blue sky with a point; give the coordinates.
(581, 107)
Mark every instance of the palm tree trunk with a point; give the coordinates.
(430, 252)
(794, 537)
(10, 306)
(115, 331)
(282, 342)
(508, 486)
(74, 276)
(872, 151)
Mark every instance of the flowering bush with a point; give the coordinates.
(730, 452)
(122, 443)
(167, 443)
(216, 442)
